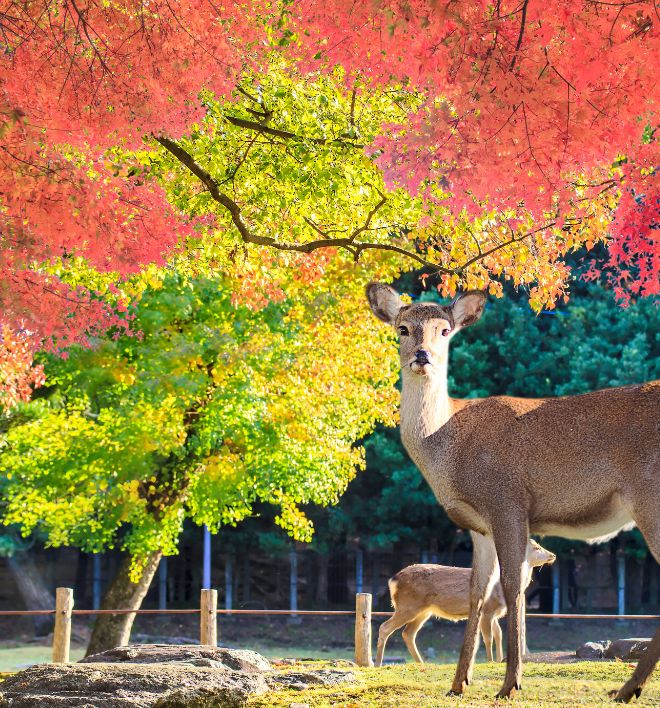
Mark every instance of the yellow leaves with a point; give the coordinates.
(131, 489)
(294, 521)
(226, 465)
(125, 376)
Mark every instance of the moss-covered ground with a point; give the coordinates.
(584, 684)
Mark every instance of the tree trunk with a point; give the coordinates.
(115, 630)
(33, 590)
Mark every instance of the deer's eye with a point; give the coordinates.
(446, 332)
(403, 331)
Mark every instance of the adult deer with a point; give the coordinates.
(582, 467)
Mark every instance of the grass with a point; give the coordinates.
(402, 686)
(17, 658)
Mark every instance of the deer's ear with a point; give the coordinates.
(384, 301)
(468, 307)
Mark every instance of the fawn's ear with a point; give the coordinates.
(468, 307)
(384, 301)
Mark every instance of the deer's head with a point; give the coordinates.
(537, 555)
(425, 329)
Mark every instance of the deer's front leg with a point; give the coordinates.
(484, 563)
(511, 543)
(635, 684)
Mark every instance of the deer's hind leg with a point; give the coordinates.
(486, 627)
(397, 620)
(649, 524)
(484, 561)
(634, 685)
(410, 632)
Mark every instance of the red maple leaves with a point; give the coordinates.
(521, 99)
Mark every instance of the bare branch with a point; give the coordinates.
(523, 20)
(348, 243)
(261, 128)
(500, 246)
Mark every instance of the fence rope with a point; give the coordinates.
(318, 613)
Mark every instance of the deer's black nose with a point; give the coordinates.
(422, 356)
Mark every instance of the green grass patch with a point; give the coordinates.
(16, 658)
(413, 686)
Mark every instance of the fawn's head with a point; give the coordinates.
(537, 555)
(424, 328)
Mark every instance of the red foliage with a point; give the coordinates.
(18, 375)
(535, 94)
(89, 76)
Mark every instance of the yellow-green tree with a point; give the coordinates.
(199, 409)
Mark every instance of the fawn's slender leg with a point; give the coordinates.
(486, 627)
(497, 634)
(410, 632)
(398, 619)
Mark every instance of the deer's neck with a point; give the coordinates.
(425, 405)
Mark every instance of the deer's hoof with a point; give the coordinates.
(509, 689)
(457, 689)
(625, 694)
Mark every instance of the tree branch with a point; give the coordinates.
(349, 243)
(523, 20)
(286, 135)
(500, 246)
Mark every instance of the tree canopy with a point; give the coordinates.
(537, 119)
(198, 409)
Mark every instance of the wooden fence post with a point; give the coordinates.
(62, 631)
(363, 629)
(208, 625)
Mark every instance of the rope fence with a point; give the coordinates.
(208, 612)
(318, 613)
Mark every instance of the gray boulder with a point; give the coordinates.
(592, 650)
(192, 655)
(120, 685)
(627, 649)
(300, 680)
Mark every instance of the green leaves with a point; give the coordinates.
(202, 408)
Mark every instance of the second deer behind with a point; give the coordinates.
(421, 591)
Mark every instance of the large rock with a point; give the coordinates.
(627, 649)
(592, 650)
(193, 655)
(119, 685)
(157, 676)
